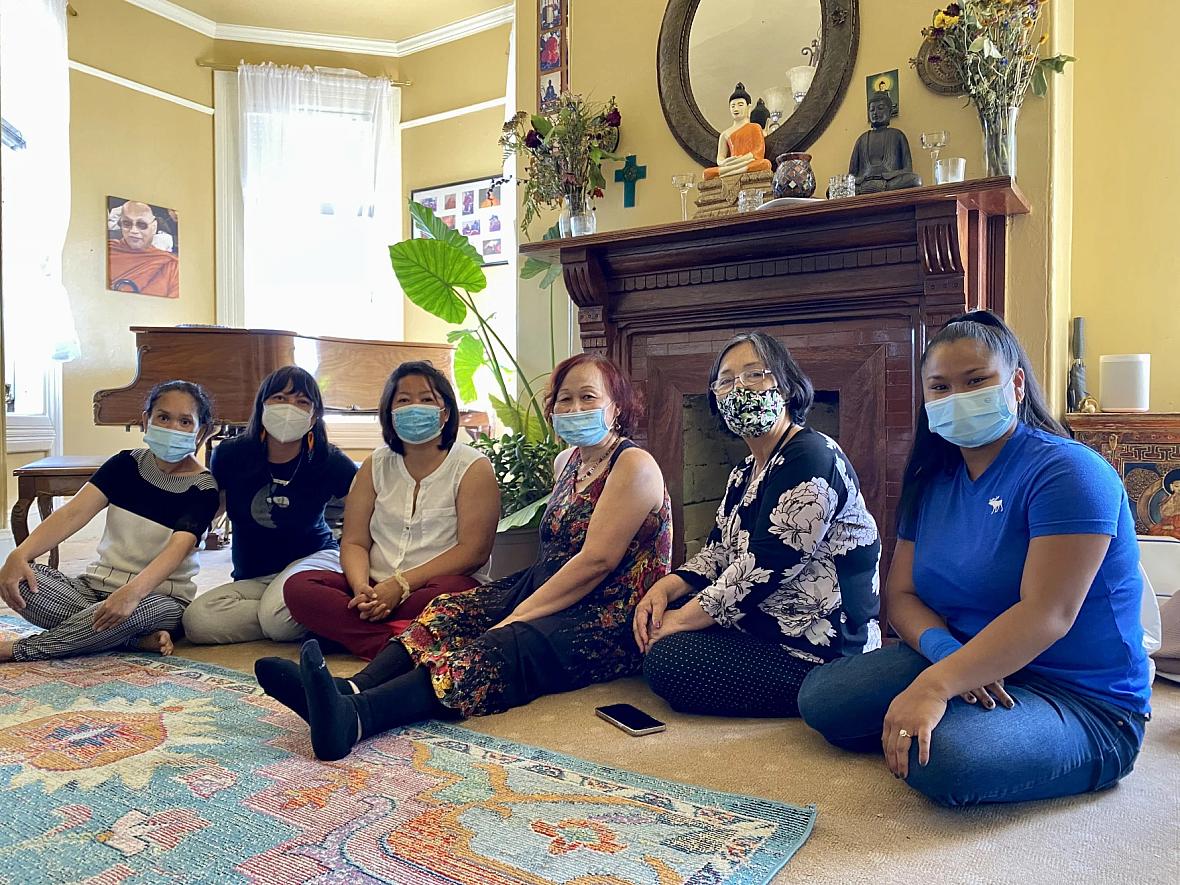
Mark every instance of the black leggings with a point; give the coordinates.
(724, 672)
(395, 692)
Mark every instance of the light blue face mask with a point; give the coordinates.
(418, 423)
(169, 445)
(586, 428)
(975, 418)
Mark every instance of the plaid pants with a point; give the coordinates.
(65, 608)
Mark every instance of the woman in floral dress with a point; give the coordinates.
(564, 623)
(787, 579)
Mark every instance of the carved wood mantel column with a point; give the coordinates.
(852, 286)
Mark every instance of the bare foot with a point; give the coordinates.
(160, 642)
(5, 651)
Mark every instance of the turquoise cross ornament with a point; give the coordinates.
(628, 175)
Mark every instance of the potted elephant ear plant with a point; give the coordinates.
(440, 272)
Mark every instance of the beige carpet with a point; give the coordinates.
(871, 827)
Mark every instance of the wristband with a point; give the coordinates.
(404, 584)
(937, 643)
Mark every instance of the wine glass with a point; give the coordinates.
(684, 182)
(935, 142)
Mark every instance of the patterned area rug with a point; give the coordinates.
(136, 769)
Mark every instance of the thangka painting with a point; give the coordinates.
(552, 51)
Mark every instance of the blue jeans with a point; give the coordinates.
(1052, 743)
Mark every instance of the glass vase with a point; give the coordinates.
(577, 217)
(999, 140)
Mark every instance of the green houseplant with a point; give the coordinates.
(440, 273)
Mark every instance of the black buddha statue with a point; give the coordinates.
(881, 158)
(761, 114)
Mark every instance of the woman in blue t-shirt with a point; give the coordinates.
(276, 479)
(1015, 587)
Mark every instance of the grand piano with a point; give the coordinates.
(231, 363)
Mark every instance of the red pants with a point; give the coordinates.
(319, 601)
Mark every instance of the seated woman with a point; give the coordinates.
(557, 626)
(159, 502)
(419, 522)
(1015, 584)
(788, 576)
(276, 479)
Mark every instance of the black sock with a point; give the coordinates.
(331, 716)
(280, 679)
(407, 699)
(391, 662)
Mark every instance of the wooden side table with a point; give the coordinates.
(1145, 450)
(43, 480)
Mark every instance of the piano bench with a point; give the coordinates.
(43, 480)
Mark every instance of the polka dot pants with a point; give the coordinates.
(725, 672)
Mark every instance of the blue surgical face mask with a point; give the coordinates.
(975, 418)
(586, 428)
(169, 445)
(417, 423)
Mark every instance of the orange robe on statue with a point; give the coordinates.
(748, 139)
(148, 271)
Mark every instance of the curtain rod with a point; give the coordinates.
(221, 66)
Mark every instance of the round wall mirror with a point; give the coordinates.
(796, 56)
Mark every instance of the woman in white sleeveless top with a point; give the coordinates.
(419, 521)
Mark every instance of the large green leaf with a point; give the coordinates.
(533, 267)
(470, 357)
(431, 225)
(430, 270)
(529, 515)
(508, 414)
(554, 233)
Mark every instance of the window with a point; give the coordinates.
(318, 195)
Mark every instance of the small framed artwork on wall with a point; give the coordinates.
(553, 77)
(143, 248)
(476, 209)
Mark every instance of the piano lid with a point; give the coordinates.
(230, 363)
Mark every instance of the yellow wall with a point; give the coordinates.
(607, 59)
(125, 143)
(1125, 261)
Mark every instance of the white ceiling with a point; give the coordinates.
(373, 19)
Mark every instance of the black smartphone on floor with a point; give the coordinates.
(630, 719)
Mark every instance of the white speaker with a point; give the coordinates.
(1126, 382)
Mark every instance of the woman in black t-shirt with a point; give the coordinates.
(276, 479)
(787, 579)
(159, 501)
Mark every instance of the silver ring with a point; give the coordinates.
(903, 733)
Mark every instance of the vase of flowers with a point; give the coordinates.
(994, 46)
(564, 149)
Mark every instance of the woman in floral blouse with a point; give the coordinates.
(787, 579)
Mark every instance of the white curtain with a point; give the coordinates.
(320, 201)
(35, 169)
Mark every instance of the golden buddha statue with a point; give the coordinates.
(742, 147)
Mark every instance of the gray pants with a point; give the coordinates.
(65, 607)
(246, 611)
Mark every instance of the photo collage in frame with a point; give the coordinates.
(476, 209)
(553, 67)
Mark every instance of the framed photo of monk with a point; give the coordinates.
(143, 248)
(475, 208)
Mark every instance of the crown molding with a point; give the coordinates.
(179, 15)
(459, 30)
(466, 27)
(308, 40)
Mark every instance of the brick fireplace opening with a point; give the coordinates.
(710, 453)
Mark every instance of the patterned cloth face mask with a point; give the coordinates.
(752, 413)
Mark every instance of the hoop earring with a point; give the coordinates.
(262, 436)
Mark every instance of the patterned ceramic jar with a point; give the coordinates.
(794, 177)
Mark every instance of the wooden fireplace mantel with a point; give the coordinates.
(852, 286)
